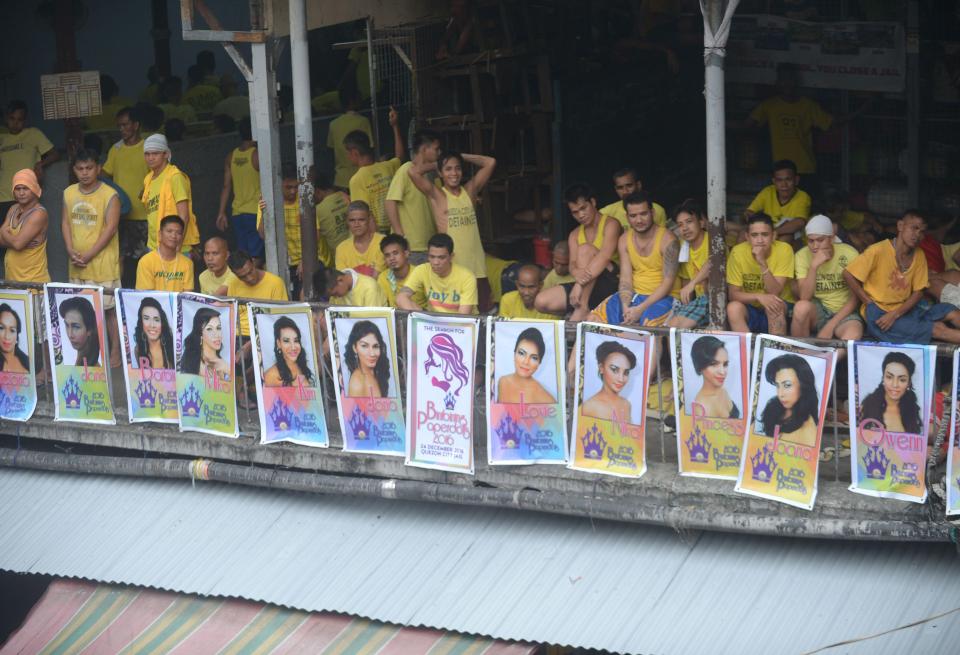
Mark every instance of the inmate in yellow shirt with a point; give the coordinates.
(369, 263)
(19, 151)
(744, 272)
(332, 221)
(246, 182)
(553, 280)
(125, 164)
(370, 184)
(156, 274)
(416, 216)
(444, 294)
(271, 287)
(619, 212)
(698, 258)
(511, 306)
(364, 293)
(791, 129)
(390, 285)
(831, 288)
(876, 268)
(340, 127)
(87, 213)
(209, 283)
(767, 202)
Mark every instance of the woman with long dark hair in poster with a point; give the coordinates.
(80, 326)
(201, 348)
(894, 402)
(367, 360)
(13, 359)
(153, 337)
(614, 363)
(796, 405)
(291, 358)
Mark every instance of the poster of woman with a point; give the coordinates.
(891, 391)
(780, 458)
(526, 415)
(18, 383)
(441, 357)
(147, 343)
(363, 356)
(205, 360)
(953, 446)
(610, 400)
(76, 341)
(287, 375)
(710, 373)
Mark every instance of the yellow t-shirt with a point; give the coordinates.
(155, 274)
(209, 283)
(744, 272)
(370, 184)
(270, 287)
(831, 289)
(293, 237)
(202, 97)
(107, 119)
(648, 270)
(369, 263)
(364, 293)
(19, 151)
(949, 250)
(326, 103)
(444, 294)
(766, 201)
(463, 229)
(184, 112)
(791, 130)
(87, 213)
(29, 264)
(340, 127)
(851, 220)
(332, 219)
(246, 182)
(389, 284)
(160, 197)
(511, 306)
(619, 212)
(495, 268)
(416, 217)
(553, 280)
(876, 268)
(125, 164)
(692, 267)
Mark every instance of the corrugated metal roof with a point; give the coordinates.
(506, 574)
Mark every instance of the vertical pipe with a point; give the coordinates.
(303, 137)
(716, 171)
(556, 199)
(913, 103)
(161, 37)
(263, 118)
(372, 66)
(845, 130)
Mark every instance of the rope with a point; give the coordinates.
(855, 640)
(715, 43)
(199, 470)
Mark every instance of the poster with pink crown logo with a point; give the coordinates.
(442, 355)
(147, 320)
(363, 357)
(610, 400)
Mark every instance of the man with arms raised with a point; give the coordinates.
(447, 287)
(889, 278)
(759, 272)
(407, 208)
(592, 246)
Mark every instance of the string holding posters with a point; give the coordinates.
(526, 414)
(287, 375)
(18, 380)
(441, 357)
(146, 320)
(711, 376)
(363, 356)
(891, 392)
(788, 404)
(610, 400)
(206, 360)
(76, 338)
(953, 447)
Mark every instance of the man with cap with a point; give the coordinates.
(166, 192)
(825, 305)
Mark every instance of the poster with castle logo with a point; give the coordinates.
(76, 338)
(526, 384)
(710, 380)
(610, 400)
(790, 386)
(287, 373)
(146, 321)
(206, 360)
(18, 380)
(891, 394)
(363, 357)
(441, 354)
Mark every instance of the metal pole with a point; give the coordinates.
(372, 64)
(264, 115)
(303, 137)
(716, 171)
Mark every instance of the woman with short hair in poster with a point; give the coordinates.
(520, 386)
(80, 325)
(894, 402)
(614, 363)
(712, 363)
(367, 361)
(290, 365)
(152, 337)
(201, 348)
(794, 408)
(13, 359)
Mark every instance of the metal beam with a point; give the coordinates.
(716, 170)
(303, 137)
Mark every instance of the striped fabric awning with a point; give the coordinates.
(82, 617)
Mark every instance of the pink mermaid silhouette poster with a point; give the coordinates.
(441, 356)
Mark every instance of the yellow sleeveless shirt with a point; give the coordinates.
(598, 237)
(463, 229)
(87, 214)
(29, 264)
(246, 182)
(648, 271)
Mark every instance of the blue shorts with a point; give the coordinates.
(916, 326)
(610, 311)
(757, 318)
(245, 230)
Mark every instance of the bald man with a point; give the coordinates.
(218, 274)
(519, 303)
